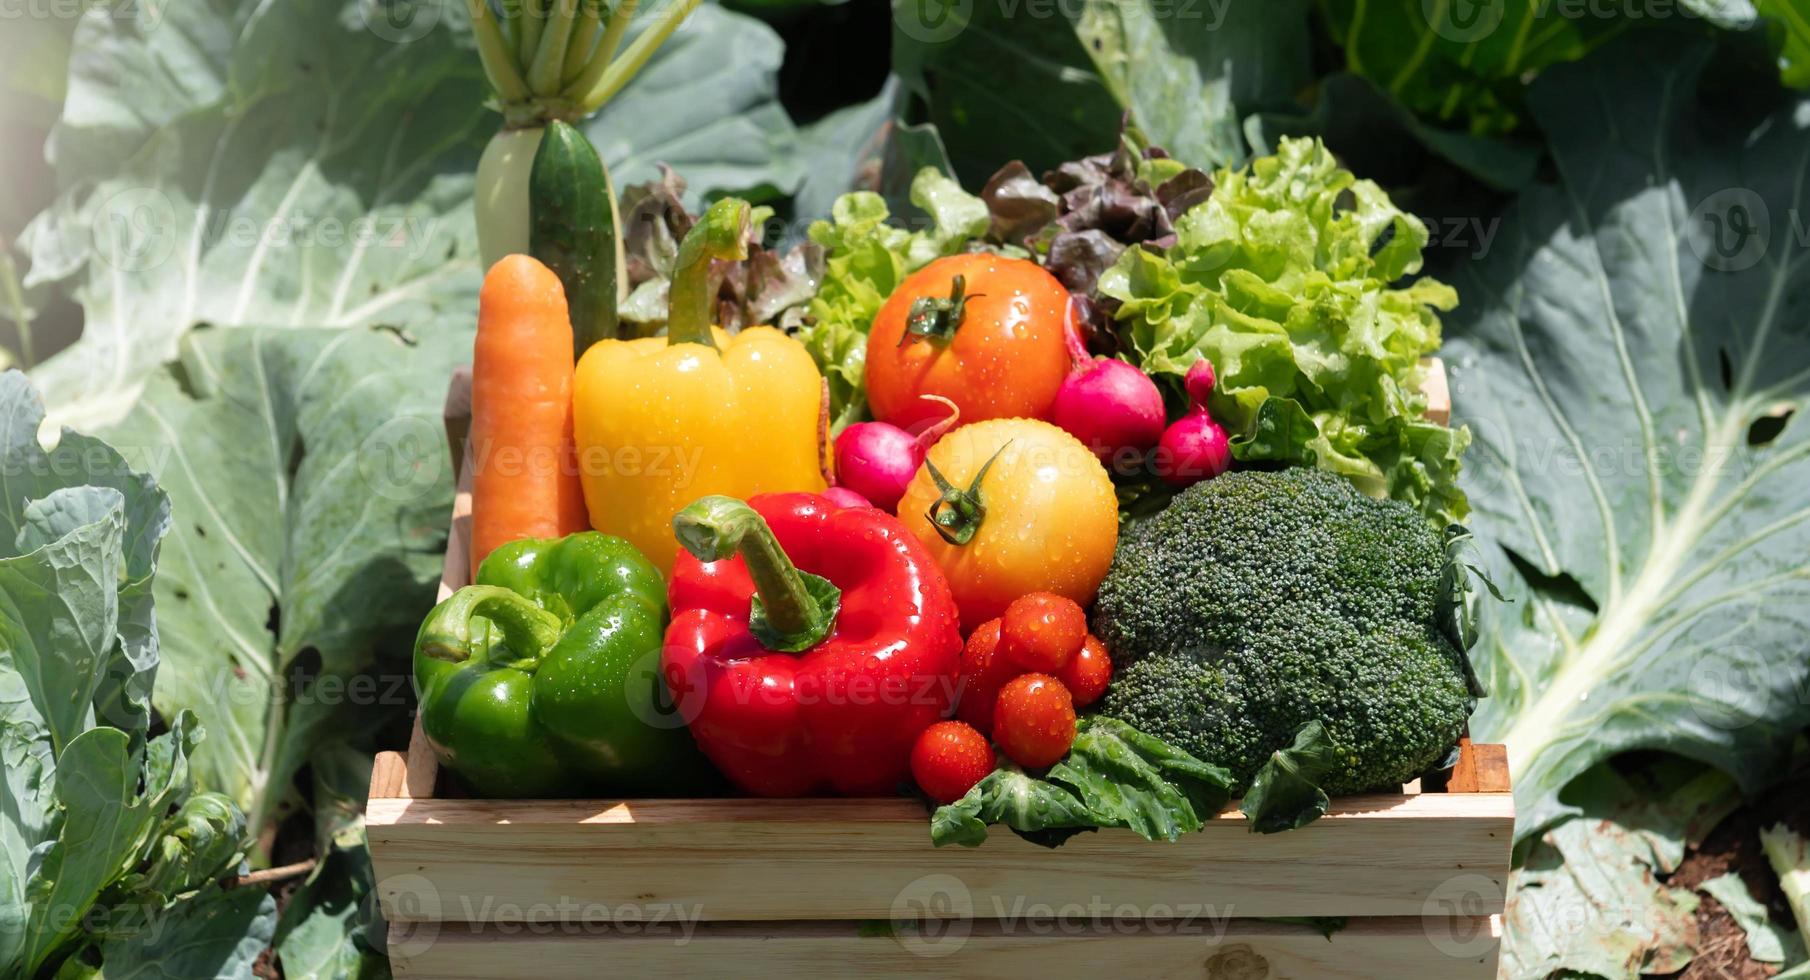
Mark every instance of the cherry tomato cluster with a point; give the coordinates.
(1022, 677)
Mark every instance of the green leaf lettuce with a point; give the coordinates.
(1287, 280)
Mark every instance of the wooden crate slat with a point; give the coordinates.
(455, 568)
(1437, 388)
(486, 860)
(388, 773)
(1480, 769)
(646, 820)
(1464, 777)
(1392, 948)
(456, 414)
(423, 769)
(1492, 769)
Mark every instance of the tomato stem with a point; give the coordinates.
(957, 513)
(938, 317)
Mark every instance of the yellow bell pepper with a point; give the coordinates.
(662, 421)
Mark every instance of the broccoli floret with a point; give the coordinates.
(1259, 601)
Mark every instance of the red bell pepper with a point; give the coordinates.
(795, 678)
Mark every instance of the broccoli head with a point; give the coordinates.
(1259, 601)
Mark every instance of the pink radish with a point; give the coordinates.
(844, 497)
(1195, 447)
(1107, 404)
(877, 459)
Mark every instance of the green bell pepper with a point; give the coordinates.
(543, 678)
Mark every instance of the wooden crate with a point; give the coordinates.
(843, 888)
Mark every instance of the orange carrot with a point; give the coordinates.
(524, 476)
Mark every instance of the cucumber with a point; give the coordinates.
(572, 230)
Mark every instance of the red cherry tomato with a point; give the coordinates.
(1087, 672)
(983, 673)
(948, 759)
(1040, 631)
(1034, 720)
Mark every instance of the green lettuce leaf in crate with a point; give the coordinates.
(1285, 794)
(1113, 776)
(1285, 279)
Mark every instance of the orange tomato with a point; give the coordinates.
(1042, 518)
(995, 346)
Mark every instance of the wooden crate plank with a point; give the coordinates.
(388, 773)
(1463, 777)
(423, 769)
(1438, 390)
(455, 568)
(493, 860)
(1480, 769)
(1492, 768)
(456, 414)
(1124, 949)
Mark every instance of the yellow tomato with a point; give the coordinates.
(1041, 517)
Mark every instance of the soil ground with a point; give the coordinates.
(1734, 846)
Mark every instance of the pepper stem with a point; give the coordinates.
(957, 513)
(722, 233)
(936, 317)
(528, 630)
(791, 610)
